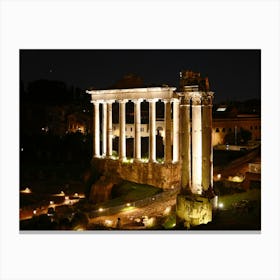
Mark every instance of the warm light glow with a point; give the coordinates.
(26, 190)
(236, 179)
(34, 212)
(167, 210)
(76, 194)
(221, 205)
(60, 194)
(221, 109)
(149, 222)
(219, 176)
(51, 202)
(67, 201)
(128, 208)
(128, 160)
(128, 204)
(79, 229)
(108, 223)
(100, 209)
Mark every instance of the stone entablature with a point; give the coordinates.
(132, 94)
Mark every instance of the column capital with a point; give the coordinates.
(122, 100)
(139, 100)
(109, 101)
(196, 98)
(175, 100)
(166, 100)
(96, 101)
(152, 100)
(185, 98)
(207, 98)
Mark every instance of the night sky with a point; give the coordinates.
(234, 75)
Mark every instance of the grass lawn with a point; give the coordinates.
(251, 195)
(127, 192)
(231, 218)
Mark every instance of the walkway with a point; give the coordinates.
(154, 209)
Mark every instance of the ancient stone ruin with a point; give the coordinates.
(187, 138)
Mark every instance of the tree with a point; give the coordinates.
(245, 136)
(241, 138)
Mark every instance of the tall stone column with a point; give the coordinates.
(176, 118)
(167, 122)
(122, 138)
(185, 143)
(109, 129)
(196, 144)
(96, 136)
(152, 127)
(104, 128)
(207, 149)
(137, 129)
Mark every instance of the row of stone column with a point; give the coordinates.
(107, 133)
(196, 143)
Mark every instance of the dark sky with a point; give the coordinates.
(233, 74)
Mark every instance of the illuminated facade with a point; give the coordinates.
(78, 122)
(233, 125)
(188, 157)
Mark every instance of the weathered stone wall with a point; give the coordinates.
(193, 210)
(101, 190)
(165, 176)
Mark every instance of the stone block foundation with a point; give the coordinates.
(193, 210)
(165, 176)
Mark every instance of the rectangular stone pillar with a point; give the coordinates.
(137, 129)
(104, 128)
(109, 130)
(96, 136)
(122, 138)
(196, 144)
(152, 131)
(176, 121)
(167, 122)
